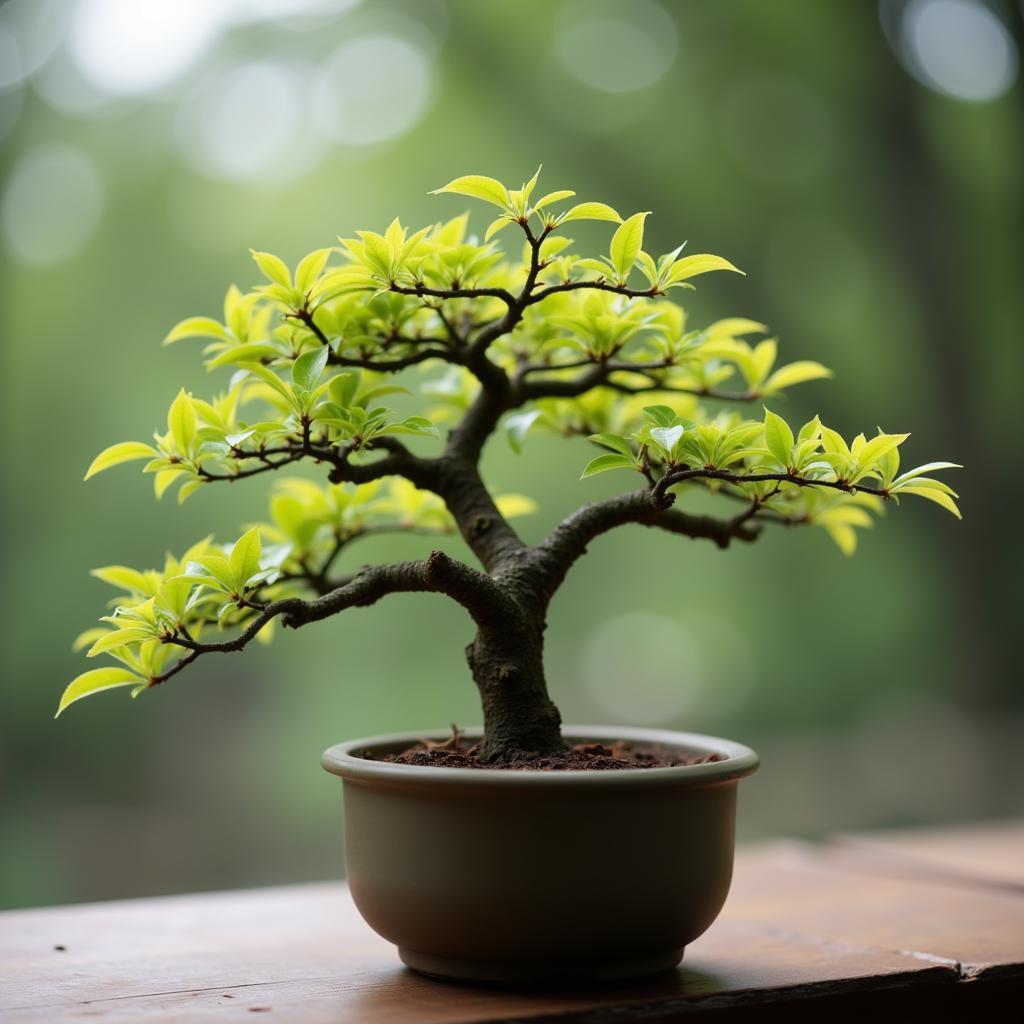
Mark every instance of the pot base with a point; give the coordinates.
(527, 974)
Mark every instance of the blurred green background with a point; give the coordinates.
(862, 163)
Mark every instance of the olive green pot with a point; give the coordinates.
(540, 877)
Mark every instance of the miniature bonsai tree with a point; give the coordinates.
(539, 341)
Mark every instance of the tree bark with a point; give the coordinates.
(508, 669)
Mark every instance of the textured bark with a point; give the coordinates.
(508, 669)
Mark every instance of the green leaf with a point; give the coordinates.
(700, 263)
(796, 373)
(626, 244)
(662, 415)
(181, 421)
(95, 681)
(310, 268)
(605, 462)
(496, 225)
(273, 268)
(553, 197)
(616, 442)
(921, 488)
(778, 437)
(130, 580)
(197, 327)
(518, 426)
(249, 352)
(928, 467)
(245, 556)
(478, 186)
(590, 211)
(119, 638)
(126, 451)
(308, 368)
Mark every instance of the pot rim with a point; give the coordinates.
(738, 761)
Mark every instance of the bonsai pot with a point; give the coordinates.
(540, 876)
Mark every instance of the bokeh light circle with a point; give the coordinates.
(615, 47)
(375, 87)
(51, 204)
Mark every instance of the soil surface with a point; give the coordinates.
(621, 755)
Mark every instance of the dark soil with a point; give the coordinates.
(621, 755)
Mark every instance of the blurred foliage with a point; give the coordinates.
(876, 218)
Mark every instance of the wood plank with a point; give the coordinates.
(798, 926)
(990, 854)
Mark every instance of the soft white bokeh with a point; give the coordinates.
(615, 47)
(374, 87)
(246, 123)
(960, 48)
(124, 46)
(650, 669)
(30, 31)
(51, 204)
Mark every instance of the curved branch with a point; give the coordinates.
(438, 573)
(678, 476)
(568, 541)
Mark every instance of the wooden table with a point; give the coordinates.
(928, 925)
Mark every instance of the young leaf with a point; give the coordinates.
(667, 437)
(605, 462)
(273, 268)
(197, 327)
(700, 263)
(616, 442)
(95, 681)
(778, 437)
(310, 268)
(126, 451)
(182, 422)
(626, 244)
(308, 368)
(590, 211)
(245, 556)
(518, 426)
(478, 186)
(796, 373)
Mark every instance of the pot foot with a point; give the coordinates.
(540, 973)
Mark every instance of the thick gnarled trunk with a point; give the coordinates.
(519, 716)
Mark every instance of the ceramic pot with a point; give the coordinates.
(540, 877)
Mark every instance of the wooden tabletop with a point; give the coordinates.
(927, 924)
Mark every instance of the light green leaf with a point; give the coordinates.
(512, 505)
(273, 268)
(605, 462)
(700, 263)
(518, 426)
(197, 327)
(920, 488)
(95, 681)
(928, 467)
(119, 638)
(245, 556)
(310, 268)
(626, 244)
(478, 186)
(126, 451)
(796, 373)
(181, 421)
(778, 437)
(130, 580)
(616, 442)
(591, 211)
(496, 225)
(308, 368)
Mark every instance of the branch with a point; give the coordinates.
(438, 573)
(678, 476)
(568, 541)
(599, 285)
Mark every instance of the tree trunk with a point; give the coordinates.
(508, 668)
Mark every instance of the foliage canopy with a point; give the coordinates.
(536, 340)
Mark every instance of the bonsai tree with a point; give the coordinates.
(536, 341)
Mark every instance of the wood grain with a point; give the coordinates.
(814, 931)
